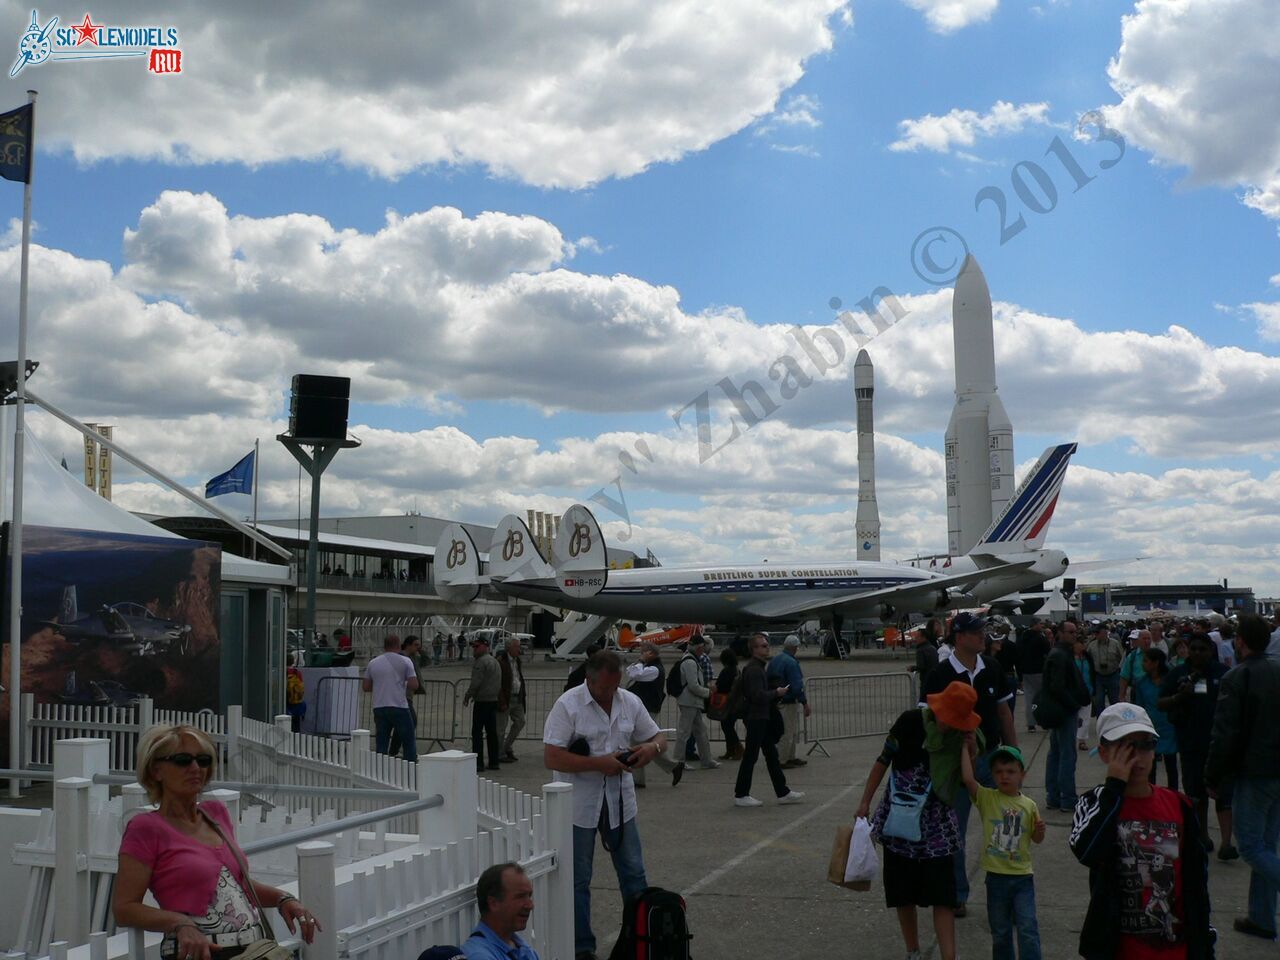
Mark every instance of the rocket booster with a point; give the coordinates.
(867, 523)
(979, 440)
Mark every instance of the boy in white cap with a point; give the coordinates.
(1144, 847)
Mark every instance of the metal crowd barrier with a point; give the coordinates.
(855, 705)
(436, 708)
(846, 706)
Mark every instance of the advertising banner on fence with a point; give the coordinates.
(110, 617)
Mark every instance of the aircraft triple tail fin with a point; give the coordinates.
(578, 562)
(1025, 519)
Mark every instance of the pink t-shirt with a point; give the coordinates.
(184, 872)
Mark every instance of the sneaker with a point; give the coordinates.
(510, 758)
(747, 802)
(711, 765)
(795, 796)
(677, 772)
(1228, 852)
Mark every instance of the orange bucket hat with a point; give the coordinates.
(954, 706)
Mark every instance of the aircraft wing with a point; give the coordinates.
(1084, 566)
(904, 596)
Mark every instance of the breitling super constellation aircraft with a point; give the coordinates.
(1007, 559)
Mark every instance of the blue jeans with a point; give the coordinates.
(1106, 691)
(386, 719)
(1060, 769)
(1011, 903)
(628, 863)
(1256, 803)
(962, 804)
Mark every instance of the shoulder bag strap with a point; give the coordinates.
(247, 885)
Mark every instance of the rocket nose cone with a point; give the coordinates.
(863, 360)
(971, 289)
(864, 374)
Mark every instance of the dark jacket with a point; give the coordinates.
(926, 659)
(1063, 682)
(504, 692)
(758, 697)
(1243, 744)
(1093, 841)
(1032, 649)
(652, 692)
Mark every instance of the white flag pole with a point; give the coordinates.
(257, 469)
(15, 526)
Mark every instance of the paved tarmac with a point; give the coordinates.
(755, 879)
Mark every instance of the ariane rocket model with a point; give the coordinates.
(979, 442)
(867, 523)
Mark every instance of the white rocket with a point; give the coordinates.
(979, 444)
(867, 524)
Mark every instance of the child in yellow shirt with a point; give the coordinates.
(1010, 822)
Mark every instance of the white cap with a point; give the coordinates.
(1121, 719)
(791, 641)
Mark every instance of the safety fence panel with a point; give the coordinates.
(436, 708)
(856, 705)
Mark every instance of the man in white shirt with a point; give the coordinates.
(588, 734)
(391, 677)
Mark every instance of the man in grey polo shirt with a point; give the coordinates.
(390, 678)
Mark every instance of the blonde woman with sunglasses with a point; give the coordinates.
(185, 853)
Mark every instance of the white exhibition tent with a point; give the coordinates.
(53, 497)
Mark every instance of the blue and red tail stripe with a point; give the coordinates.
(1031, 508)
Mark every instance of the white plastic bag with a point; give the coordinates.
(863, 865)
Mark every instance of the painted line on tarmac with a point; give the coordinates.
(720, 871)
(750, 852)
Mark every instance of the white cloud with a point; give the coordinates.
(553, 92)
(963, 127)
(947, 16)
(800, 110)
(212, 313)
(1268, 317)
(1199, 82)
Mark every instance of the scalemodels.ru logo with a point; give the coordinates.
(97, 41)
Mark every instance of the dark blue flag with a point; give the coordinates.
(15, 144)
(239, 479)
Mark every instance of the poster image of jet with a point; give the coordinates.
(108, 618)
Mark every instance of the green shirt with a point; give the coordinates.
(1007, 823)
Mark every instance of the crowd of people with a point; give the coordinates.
(1188, 696)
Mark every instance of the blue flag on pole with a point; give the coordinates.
(15, 144)
(239, 479)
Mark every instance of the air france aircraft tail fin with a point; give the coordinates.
(1025, 520)
(457, 566)
(578, 554)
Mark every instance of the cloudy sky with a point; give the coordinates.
(539, 236)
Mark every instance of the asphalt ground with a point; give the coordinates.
(755, 879)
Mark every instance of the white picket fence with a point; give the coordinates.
(249, 750)
(389, 895)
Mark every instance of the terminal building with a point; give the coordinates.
(1182, 600)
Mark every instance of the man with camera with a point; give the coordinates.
(593, 738)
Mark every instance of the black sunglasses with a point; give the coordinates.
(203, 760)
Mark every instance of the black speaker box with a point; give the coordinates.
(318, 408)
